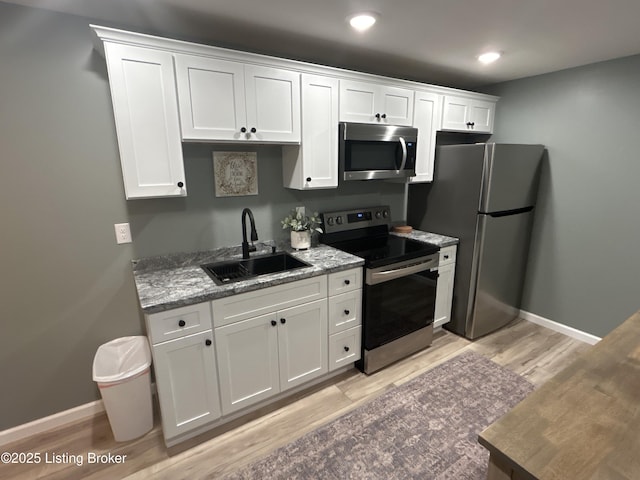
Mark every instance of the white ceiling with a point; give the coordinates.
(435, 41)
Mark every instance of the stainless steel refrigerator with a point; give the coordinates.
(484, 194)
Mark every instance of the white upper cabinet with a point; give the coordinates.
(364, 102)
(224, 100)
(314, 164)
(426, 118)
(465, 114)
(145, 109)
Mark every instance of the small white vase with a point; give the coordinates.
(301, 240)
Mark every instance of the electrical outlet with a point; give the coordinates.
(123, 233)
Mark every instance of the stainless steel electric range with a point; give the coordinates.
(399, 293)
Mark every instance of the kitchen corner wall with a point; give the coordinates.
(66, 287)
(584, 265)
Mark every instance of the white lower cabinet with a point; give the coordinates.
(345, 317)
(213, 360)
(185, 371)
(265, 355)
(444, 291)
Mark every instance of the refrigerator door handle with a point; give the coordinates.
(506, 213)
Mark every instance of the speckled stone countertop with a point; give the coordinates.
(177, 280)
(173, 281)
(440, 240)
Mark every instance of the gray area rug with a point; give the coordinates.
(425, 429)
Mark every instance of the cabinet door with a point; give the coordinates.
(357, 102)
(364, 102)
(396, 106)
(444, 294)
(481, 116)
(247, 354)
(314, 164)
(145, 109)
(187, 383)
(302, 343)
(211, 98)
(455, 113)
(273, 104)
(426, 120)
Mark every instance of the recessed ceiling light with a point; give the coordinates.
(489, 57)
(362, 21)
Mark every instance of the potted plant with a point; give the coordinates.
(302, 226)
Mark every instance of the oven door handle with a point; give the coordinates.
(374, 277)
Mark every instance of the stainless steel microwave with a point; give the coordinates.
(369, 151)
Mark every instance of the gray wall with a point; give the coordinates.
(66, 287)
(584, 267)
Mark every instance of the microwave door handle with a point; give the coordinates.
(403, 144)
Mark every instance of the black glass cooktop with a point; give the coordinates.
(384, 250)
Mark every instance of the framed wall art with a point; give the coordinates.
(236, 173)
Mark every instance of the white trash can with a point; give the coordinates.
(121, 368)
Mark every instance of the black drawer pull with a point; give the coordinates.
(346, 312)
(346, 349)
(208, 342)
(347, 282)
(273, 323)
(283, 320)
(182, 323)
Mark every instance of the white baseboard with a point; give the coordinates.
(41, 425)
(559, 327)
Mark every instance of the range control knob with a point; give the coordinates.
(385, 213)
(329, 220)
(339, 220)
(378, 214)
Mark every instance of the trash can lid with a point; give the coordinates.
(121, 358)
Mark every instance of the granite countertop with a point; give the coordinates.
(172, 281)
(437, 239)
(177, 280)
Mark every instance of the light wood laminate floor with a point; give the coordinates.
(530, 350)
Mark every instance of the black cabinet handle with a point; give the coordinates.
(182, 323)
(384, 115)
(273, 323)
(180, 184)
(243, 130)
(377, 115)
(207, 342)
(308, 179)
(446, 257)
(346, 312)
(283, 320)
(346, 349)
(253, 130)
(347, 282)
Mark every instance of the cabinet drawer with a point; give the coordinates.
(267, 300)
(448, 255)
(344, 348)
(178, 322)
(345, 281)
(345, 311)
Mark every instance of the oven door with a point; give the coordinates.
(399, 299)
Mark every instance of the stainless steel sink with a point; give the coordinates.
(231, 271)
